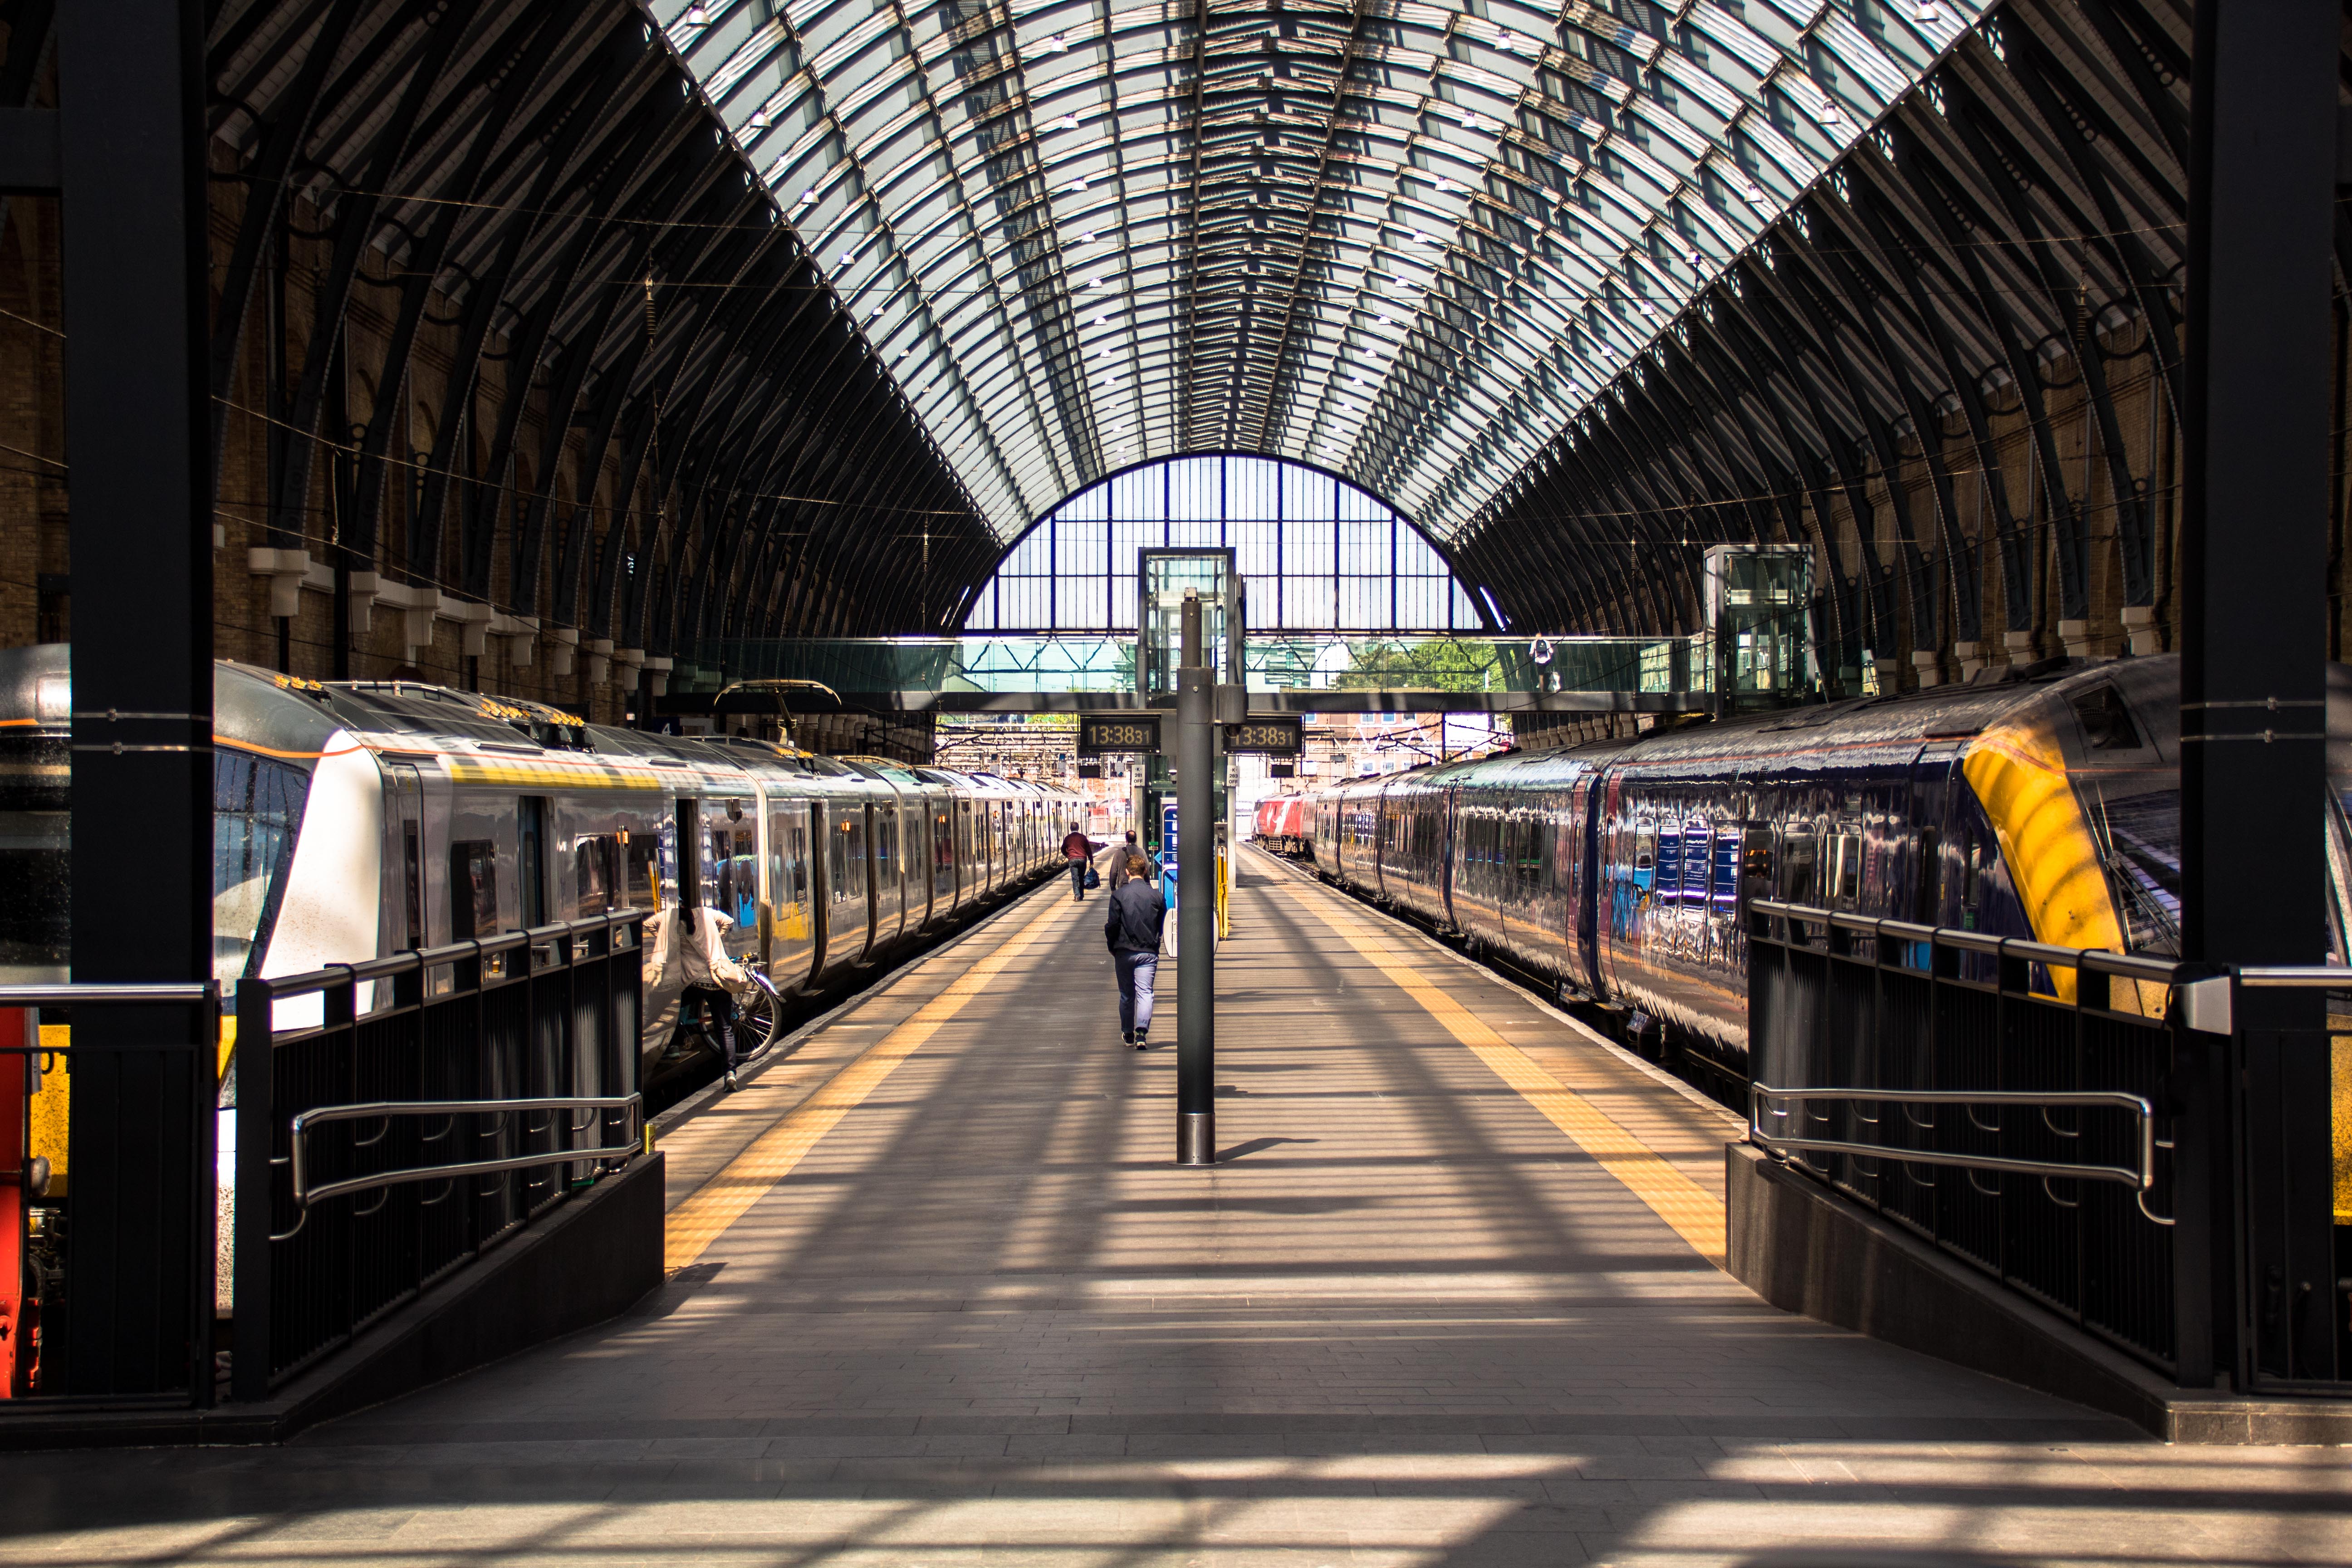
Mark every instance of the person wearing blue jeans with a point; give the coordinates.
(1132, 930)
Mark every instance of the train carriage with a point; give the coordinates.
(357, 819)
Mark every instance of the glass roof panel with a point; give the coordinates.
(1405, 241)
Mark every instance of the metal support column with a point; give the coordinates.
(1196, 900)
(2253, 684)
(138, 435)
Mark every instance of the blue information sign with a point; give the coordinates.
(1167, 853)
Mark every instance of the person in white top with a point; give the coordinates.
(710, 976)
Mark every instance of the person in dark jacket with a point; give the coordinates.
(1132, 929)
(1076, 848)
(1119, 857)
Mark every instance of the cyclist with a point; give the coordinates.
(713, 978)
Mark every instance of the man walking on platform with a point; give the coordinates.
(1115, 870)
(1076, 848)
(1132, 929)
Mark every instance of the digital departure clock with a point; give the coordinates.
(1113, 734)
(1267, 737)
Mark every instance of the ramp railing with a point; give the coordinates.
(2016, 1104)
(397, 1119)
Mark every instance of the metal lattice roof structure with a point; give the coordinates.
(1409, 242)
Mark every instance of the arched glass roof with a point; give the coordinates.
(1319, 553)
(1408, 242)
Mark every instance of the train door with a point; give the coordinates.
(735, 848)
(1945, 862)
(848, 909)
(941, 811)
(1576, 879)
(789, 950)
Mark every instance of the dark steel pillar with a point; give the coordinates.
(130, 87)
(2254, 673)
(1196, 900)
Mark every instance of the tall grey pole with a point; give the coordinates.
(2253, 688)
(1196, 901)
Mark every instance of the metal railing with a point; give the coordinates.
(2140, 1176)
(1866, 1034)
(308, 1190)
(416, 1071)
(1272, 660)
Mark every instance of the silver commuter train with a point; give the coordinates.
(359, 819)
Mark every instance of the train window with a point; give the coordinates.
(1645, 849)
(1846, 869)
(836, 861)
(531, 817)
(1927, 896)
(1665, 887)
(593, 868)
(1799, 873)
(412, 855)
(257, 811)
(1756, 858)
(2107, 722)
(473, 890)
(1724, 898)
(641, 889)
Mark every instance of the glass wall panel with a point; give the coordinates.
(1319, 553)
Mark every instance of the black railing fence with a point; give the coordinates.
(406, 1114)
(2084, 1126)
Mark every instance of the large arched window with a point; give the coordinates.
(1319, 553)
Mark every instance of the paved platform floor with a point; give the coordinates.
(943, 1299)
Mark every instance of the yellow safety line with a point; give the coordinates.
(1695, 1215)
(720, 1202)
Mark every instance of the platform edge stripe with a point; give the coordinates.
(1692, 1212)
(720, 1202)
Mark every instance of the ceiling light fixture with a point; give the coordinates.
(758, 119)
(697, 15)
(1068, 122)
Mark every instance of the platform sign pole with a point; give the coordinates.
(1196, 900)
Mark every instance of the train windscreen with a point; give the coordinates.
(257, 812)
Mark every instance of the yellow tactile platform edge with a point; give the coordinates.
(722, 1200)
(1694, 1214)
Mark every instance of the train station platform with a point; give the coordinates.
(1451, 1296)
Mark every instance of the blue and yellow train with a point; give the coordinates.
(2046, 804)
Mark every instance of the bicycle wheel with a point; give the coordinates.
(757, 1019)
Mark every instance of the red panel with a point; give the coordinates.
(16, 1029)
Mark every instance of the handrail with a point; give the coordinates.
(284, 987)
(2292, 978)
(306, 1195)
(2142, 1179)
(72, 992)
(2098, 961)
